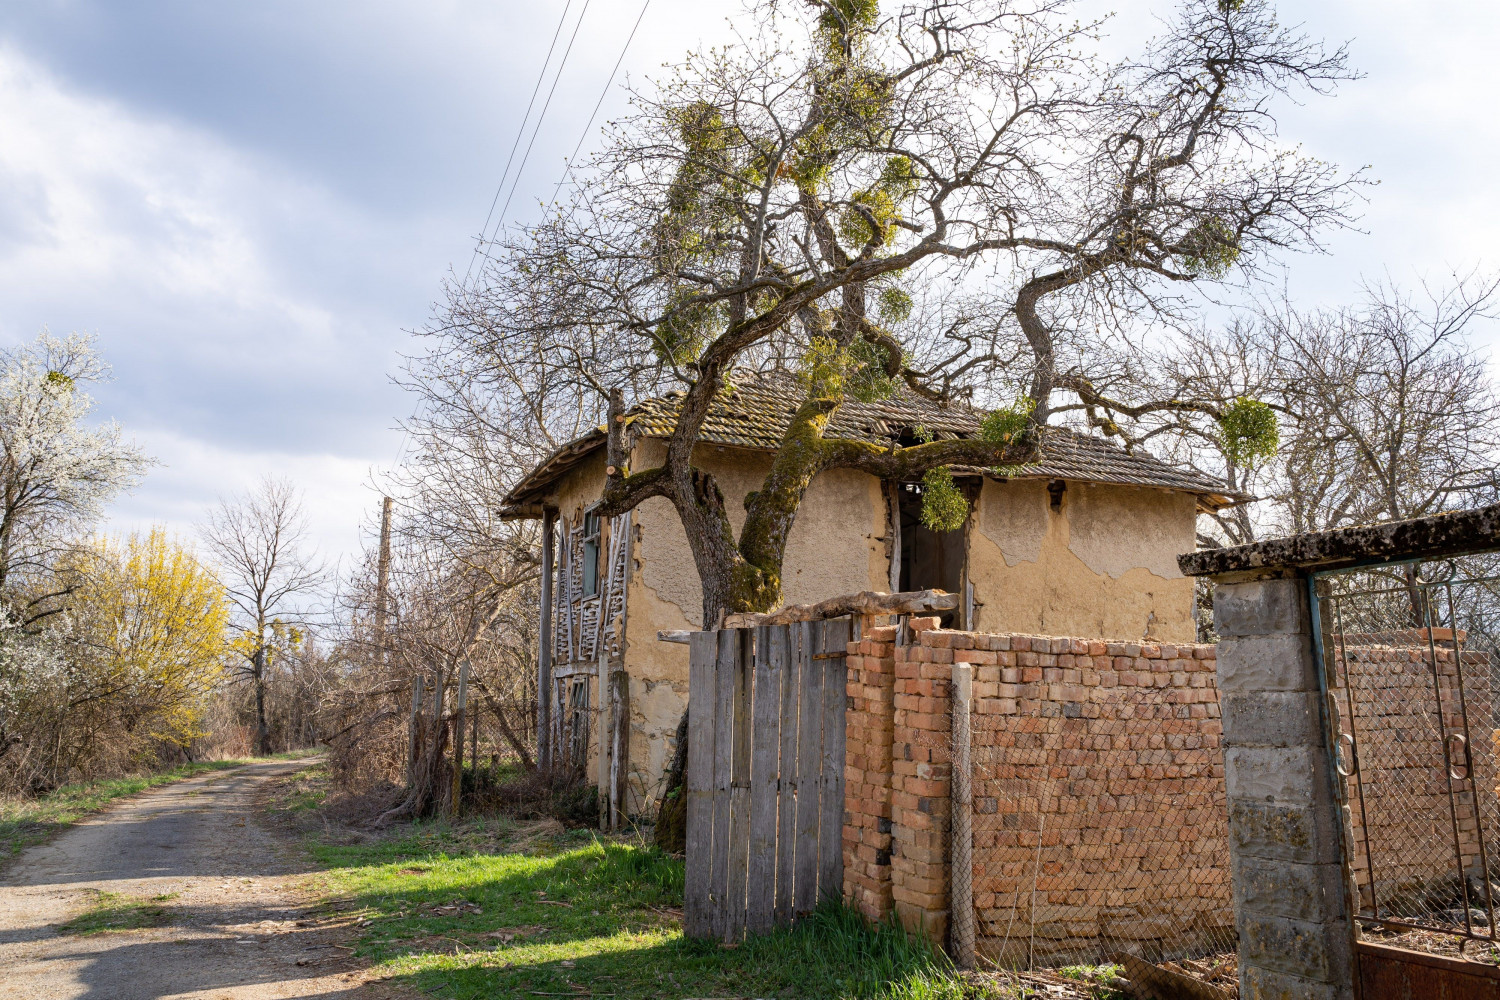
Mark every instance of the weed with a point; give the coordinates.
(571, 912)
(113, 911)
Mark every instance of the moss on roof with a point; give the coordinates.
(756, 416)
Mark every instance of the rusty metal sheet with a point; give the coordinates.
(1387, 973)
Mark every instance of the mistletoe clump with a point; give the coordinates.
(1003, 425)
(1248, 432)
(855, 372)
(943, 506)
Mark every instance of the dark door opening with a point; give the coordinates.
(930, 560)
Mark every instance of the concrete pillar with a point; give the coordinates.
(1291, 903)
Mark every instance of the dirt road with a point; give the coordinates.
(194, 861)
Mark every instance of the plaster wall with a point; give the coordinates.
(1104, 565)
(836, 546)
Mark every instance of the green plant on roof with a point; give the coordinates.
(1003, 425)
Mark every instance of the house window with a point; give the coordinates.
(591, 522)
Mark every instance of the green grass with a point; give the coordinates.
(24, 822)
(572, 916)
(113, 911)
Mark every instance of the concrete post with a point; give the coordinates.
(1291, 904)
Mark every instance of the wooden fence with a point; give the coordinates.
(765, 775)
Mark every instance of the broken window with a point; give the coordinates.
(591, 533)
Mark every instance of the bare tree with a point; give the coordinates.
(258, 540)
(819, 199)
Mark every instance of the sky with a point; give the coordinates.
(251, 205)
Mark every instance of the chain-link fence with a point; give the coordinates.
(1410, 649)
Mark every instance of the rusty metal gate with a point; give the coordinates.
(1407, 652)
(765, 775)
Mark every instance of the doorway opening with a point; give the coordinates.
(930, 560)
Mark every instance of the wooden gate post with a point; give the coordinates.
(962, 804)
(458, 737)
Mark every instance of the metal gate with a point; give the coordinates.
(765, 775)
(1408, 655)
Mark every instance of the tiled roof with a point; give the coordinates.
(756, 416)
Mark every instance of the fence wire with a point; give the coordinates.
(1100, 826)
(1410, 649)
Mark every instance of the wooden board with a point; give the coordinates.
(809, 763)
(697, 905)
(765, 780)
(760, 907)
(728, 642)
(784, 656)
(833, 647)
(739, 789)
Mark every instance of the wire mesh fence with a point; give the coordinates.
(1100, 824)
(1410, 650)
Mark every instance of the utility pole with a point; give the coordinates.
(383, 579)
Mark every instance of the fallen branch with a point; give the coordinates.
(871, 602)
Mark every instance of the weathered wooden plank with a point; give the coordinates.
(411, 744)
(619, 745)
(718, 882)
(809, 763)
(785, 661)
(833, 648)
(870, 602)
(697, 908)
(739, 789)
(765, 731)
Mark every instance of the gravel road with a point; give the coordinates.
(235, 925)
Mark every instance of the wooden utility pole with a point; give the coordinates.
(383, 579)
(458, 737)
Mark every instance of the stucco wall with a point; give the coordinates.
(837, 546)
(1105, 565)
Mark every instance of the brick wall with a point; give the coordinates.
(1099, 817)
(1403, 768)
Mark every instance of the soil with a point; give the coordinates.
(235, 920)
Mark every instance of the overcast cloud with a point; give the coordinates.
(249, 203)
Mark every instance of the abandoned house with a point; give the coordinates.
(1084, 541)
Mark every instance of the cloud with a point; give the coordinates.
(188, 257)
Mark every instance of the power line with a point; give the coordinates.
(562, 64)
(600, 103)
(520, 131)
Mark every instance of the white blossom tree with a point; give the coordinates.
(57, 471)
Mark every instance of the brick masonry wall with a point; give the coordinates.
(1103, 755)
(1403, 768)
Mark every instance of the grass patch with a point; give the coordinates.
(571, 915)
(113, 911)
(24, 822)
(302, 792)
